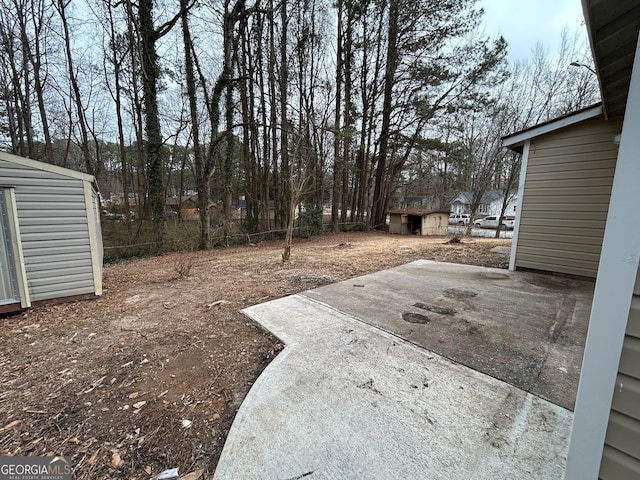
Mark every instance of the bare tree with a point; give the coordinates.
(298, 183)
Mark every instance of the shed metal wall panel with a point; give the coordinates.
(52, 214)
(566, 198)
(622, 445)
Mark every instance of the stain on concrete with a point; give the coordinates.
(435, 308)
(493, 276)
(415, 318)
(368, 385)
(549, 281)
(509, 328)
(459, 294)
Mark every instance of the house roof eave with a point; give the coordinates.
(415, 211)
(516, 140)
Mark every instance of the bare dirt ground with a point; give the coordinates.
(150, 375)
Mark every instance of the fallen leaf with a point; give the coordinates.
(75, 440)
(93, 457)
(115, 460)
(147, 469)
(193, 475)
(139, 404)
(10, 425)
(134, 395)
(163, 394)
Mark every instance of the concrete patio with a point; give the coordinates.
(428, 370)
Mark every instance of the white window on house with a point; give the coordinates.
(483, 208)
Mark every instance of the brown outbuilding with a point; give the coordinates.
(418, 221)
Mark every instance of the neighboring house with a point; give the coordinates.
(50, 236)
(605, 435)
(185, 206)
(490, 203)
(418, 221)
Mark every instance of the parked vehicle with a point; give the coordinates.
(491, 221)
(509, 222)
(459, 219)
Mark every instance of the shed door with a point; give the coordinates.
(9, 292)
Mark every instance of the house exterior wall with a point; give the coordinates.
(54, 224)
(621, 455)
(566, 198)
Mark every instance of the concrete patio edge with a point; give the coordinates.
(346, 400)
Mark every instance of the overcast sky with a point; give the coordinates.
(524, 23)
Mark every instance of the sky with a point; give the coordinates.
(525, 23)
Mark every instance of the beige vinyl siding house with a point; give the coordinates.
(605, 435)
(565, 190)
(52, 243)
(621, 455)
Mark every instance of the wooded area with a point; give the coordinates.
(347, 105)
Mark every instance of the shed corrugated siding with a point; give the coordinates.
(566, 198)
(55, 235)
(621, 456)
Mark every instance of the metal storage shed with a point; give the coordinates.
(50, 235)
(565, 186)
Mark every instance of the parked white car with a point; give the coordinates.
(459, 219)
(491, 221)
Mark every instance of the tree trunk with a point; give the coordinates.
(77, 99)
(202, 183)
(336, 196)
(151, 71)
(117, 67)
(285, 168)
(379, 209)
